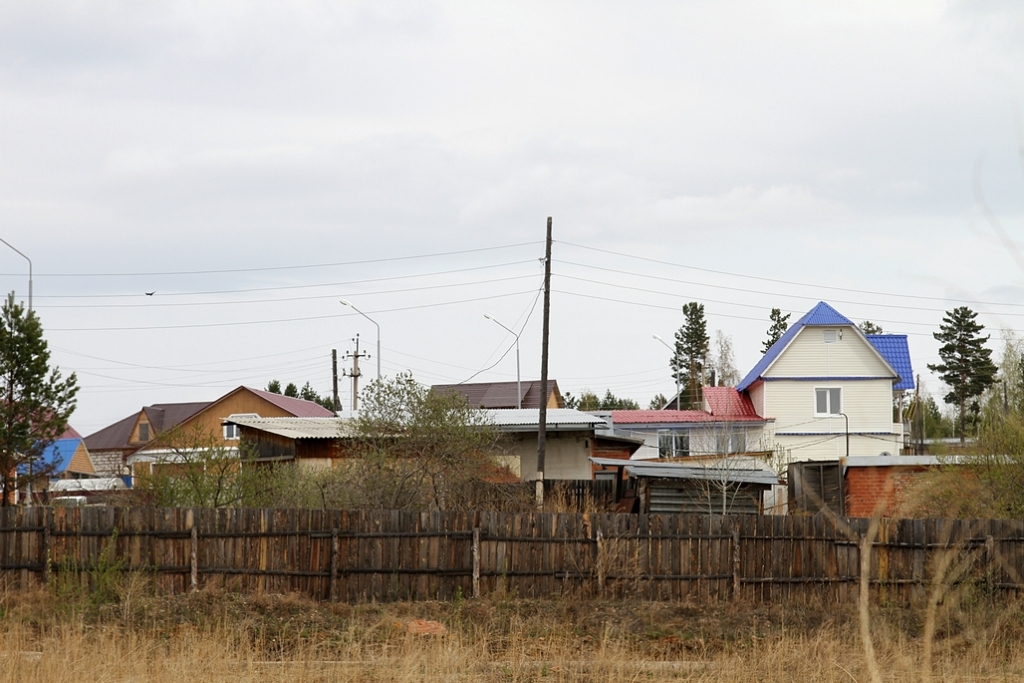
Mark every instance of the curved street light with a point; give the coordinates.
(519, 385)
(29, 271)
(345, 302)
(676, 374)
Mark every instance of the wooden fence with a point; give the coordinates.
(356, 556)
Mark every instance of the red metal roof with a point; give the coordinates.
(657, 416)
(296, 406)
(726, 402)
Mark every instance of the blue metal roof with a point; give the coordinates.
(822, 314)
(60, 452)
(896, 351)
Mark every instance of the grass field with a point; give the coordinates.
(210, 637)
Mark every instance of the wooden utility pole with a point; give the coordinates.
(334, 377)
(542, 421)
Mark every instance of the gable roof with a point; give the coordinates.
(896, 351)
(60, 453)
(625, 417)
(726, 403)
(822, 315)
(296, 406)
(501, 394)
(164, 416)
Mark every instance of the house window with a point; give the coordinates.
(673, 444)
(828, 401)
(233, 432)
(143, 431)
(727, 443)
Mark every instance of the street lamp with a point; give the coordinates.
(350, 305)
(519, 385)
(676, 374)
(29, 271)
(847, 434)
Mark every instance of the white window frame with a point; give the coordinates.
(673, 443)
(831, 410)
(233, 432)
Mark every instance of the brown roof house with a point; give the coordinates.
(130, 446)
(496, 395)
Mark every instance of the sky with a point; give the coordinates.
(253, 163)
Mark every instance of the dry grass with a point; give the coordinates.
(212, 637)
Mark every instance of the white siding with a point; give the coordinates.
(831, 447)
(757, 398)
(809, 356)
(868, 403)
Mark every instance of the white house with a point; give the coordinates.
(828, 390)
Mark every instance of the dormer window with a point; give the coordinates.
(143, 431)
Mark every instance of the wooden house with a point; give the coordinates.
(133, 445)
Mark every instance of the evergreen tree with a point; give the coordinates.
(777, 329)
(36, 402)
(966, 367)
(291, 390)
(658, 402)
(274, 386)
(868, 327)
(688, 363)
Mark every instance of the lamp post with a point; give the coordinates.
(352, 306)
(847, 434)
(29, 271)
(519, 384)
(676, 374)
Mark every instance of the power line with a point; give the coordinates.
(283, 320)
(279, 268)
(788, 282)
(347, 283)
(236, 302)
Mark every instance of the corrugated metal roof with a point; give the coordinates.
(626, 417)
(822, 315)
(297, 427)
(727, 403)
(668, 471)
(529, 417)
(61, 450)
(296, 406)
(499, 394)
(895, 349)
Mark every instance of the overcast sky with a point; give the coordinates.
(253, 163)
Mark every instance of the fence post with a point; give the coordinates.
(193, 549)
(46, 545)
(600, 562)
(335, 545)
(476, 562)
(735, 564)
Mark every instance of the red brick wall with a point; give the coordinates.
(877, 490)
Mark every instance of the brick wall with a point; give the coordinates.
(877, 490)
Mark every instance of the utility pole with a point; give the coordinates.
(542, 422)
(334, 377)
(355, 373)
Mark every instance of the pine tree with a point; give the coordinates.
(36, 403)
(966, 367)
(868, 327)
(778, 328)
(692, 345)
